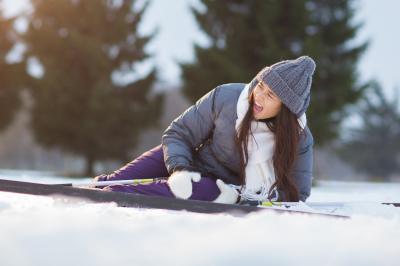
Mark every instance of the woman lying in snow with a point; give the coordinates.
(238, 142)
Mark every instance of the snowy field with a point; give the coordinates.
(43, 231)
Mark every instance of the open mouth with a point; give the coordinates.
(257, 108)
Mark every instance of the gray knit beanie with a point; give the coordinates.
(291, 81)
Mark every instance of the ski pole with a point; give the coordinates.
(317, 204)
(294, 203)
(109, 183)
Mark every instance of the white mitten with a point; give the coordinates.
(228, 193)
(180, 183)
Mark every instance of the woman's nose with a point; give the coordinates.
(260, 94)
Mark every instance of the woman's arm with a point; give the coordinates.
(187, 132)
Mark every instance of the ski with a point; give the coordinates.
(143, 201)
(143, 181)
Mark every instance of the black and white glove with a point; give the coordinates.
(180, 183)
(228, 193)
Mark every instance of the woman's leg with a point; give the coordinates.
(149, 165)
(206, 189)
(155, 188)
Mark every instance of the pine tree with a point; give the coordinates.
(78, 105)
(246, 36)
(11, 74)
(374, 147)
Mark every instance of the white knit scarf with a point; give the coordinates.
(260, 174)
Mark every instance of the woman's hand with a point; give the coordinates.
(228, 193)
(180, 183)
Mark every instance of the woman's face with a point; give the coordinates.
(266, 103)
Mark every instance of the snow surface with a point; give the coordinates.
(38, 230)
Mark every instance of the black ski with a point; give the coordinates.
(139, 201)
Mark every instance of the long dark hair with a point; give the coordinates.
(287, 136)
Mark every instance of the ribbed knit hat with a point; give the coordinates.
(291, 81)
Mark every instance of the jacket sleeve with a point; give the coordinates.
(188, 131)
(303, 166)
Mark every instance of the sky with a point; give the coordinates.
(178, 31)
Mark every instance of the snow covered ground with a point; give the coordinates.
(38, 230)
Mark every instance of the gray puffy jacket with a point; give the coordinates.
(202, 139)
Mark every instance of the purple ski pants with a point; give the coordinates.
(150, 165)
